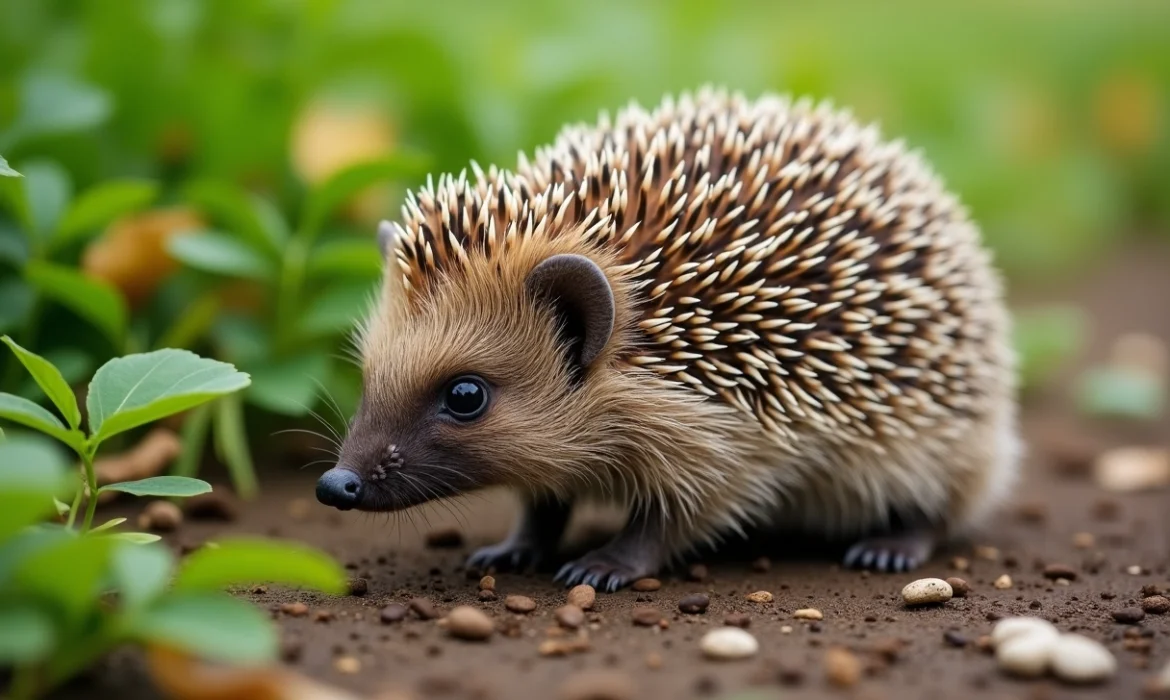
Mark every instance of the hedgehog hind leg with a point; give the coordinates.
(533, 540)
(903, 551)
(634, 553)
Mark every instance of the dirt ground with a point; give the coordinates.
(1057, 500)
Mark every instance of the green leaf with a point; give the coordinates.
(288, 386)
(137, 538)
(1121, 392)
(211, 626)
(6, 171)
(30, 415)
(109, 524)
(166, 486)
(252, 219)
(348, 182)
(47, 191)
(94, 300)
(51, 104)
(26, 633)
(61, 506)
(86, 559)
(246, 561)
(337, 309)
(141, 573)
(50, 380)
(341, 259)
(231, 442)
(33, 473)
(129, 391)
(220, 254)
(101, 205)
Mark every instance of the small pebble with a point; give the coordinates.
(785, 629)
(1156, 604)
(955, 638)
(808, 614)
(1055, 571)
(160, 516)
(760, 597)
(960, 564)
(424, 608)
(1084, 540)
(927, 591)
(697, 572)
(727, 643)
(1003, 582)
(694, 604)
(445, 538)
(358, 586)
(1012, 627)
(394, 612)
(598, 684)
(291, 650)
(323, 616)
(466, 622)
(988, 553)
(564, 647)
(1134, 570)
(646, 585)
(488, 596)
(520, 604)
(1129, 616)
(762, 565)
(347, 664)
(487, 583)
(842, 667)
(1079, 659)
(959, 587)
(737, 619)
(569, 616)
(654, 661)
(295, 609)
(582, 596)
(1026, 655)
(646, 616)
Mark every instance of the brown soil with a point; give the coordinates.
(863, 612)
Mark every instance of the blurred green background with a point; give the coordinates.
(1049, 118)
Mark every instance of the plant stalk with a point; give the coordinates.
(73, 508)
(91, 482)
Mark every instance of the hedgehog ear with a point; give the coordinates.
(583, 300)
(386, 237)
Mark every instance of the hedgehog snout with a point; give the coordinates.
(340, 487)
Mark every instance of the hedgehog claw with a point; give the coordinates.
(893, 554)
(504, 556)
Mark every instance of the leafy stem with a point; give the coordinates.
(91, 482)
(73, 508)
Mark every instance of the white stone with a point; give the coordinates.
(1010, 627)
(729, 643)
(925, 591)
(1079, 659)
(1026, 655)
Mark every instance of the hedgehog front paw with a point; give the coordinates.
(509, 555)
(604, 571)
(892, 554)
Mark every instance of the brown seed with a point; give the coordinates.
(488, 596)
(564, 647)
(1084, 540)
(295, 609)
(582, 596)
(646, 615)
(466, 622)
(1055, 571)
(597, 684)
(323, 616)
(959, 587)
(1004, 582)
(394, 612)
(520, 604)
(694, 604)
(1129, 616)
(487, 583)
(1156, 604)
(760, 597)
(960, 564)
(569, 616)
(697, 572)
(445, 538)
(654, 661)
(358, 586)
(737, 619)
(842, 667)
(424, 608)
(160, 516)
(347, 664)
(216, 505)
(763, 564)
(808, 614)
(647, 585)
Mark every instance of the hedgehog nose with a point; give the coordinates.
(339, 487)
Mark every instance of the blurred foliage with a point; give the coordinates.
(185, 161)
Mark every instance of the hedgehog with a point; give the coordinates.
(720, 315)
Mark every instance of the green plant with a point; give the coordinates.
(70, 591)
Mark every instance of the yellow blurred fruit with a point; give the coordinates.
(1129, 113)
(131, 254)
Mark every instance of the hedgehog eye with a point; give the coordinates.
(466, 397)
